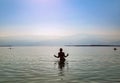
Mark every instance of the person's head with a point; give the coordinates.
(61, 49)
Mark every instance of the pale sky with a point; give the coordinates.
(55, 19)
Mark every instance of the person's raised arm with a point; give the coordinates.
(67, 55)
(55, 56)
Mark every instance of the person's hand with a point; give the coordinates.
(55, 56)
(67, 54)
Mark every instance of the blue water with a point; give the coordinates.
(38, 65)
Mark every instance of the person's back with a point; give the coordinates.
(61, 55)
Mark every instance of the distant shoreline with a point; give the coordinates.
(5, 46)
(65, 45)
(93, 45)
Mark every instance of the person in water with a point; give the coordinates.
(61, 55)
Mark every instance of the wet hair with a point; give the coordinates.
(61, 49)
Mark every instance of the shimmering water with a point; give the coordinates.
(37, 65)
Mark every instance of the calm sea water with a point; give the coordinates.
(37, 65)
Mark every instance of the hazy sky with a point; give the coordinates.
(54, 19)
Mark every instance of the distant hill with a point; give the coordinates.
(71, 40)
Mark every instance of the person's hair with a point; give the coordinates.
(61, 49)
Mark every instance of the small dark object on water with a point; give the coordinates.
(10, 48)
(115, 49)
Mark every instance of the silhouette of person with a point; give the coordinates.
(61, 55)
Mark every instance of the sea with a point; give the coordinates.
(36, 64)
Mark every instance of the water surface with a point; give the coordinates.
(37, 65)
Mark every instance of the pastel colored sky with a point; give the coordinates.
(42, 19)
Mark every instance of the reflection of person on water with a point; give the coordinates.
(61, 55)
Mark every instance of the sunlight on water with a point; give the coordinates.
(38, 65)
